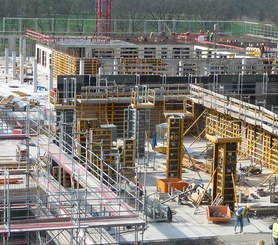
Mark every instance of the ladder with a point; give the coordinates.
(217, 200)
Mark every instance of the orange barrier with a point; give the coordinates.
(218, 214)
(165, 185)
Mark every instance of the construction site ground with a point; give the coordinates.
(186, 227)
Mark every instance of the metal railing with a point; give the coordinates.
(136, 27)
(252, 114)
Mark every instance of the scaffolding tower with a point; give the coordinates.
(78, 203)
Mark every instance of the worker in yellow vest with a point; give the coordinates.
(241, 214)
(274, 228)
(120, 154)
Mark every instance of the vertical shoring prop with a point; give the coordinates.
(86, 165)
(4, 203)
(74, 195)
(101, 183)
(59, 165)
(187, 130)
(27, 129)
(260, 160)
(9, 204)
(234, 187)
(205, 191)
(78, 208)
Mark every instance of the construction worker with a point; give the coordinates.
(153, 141)
(274, 228)
(120, 153)
(241, 214)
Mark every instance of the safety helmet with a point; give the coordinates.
(249, 206)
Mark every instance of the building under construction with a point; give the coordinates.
(115, 104)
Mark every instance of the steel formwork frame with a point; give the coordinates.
(224, 169)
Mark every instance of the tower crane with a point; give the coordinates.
(103, 13)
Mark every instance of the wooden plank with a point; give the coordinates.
(20, 93)
(7, 100)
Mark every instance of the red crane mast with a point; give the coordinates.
(106, 19)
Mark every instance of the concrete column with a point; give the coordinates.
(82, 67)
(14, 64)
(100, 70)
(35, 75)
(7, 61)
(21, 77)
(24, 48)
(243, 67)
(88, 52)
(158, 52)
(12, 43)
(180, 68)
(50, 84)
(115, 67)
(20, 47)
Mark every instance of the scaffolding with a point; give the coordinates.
(79, 204)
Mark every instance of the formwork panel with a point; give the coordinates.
(100, 140)
(174, 147)
(273, 154)
(128, 165)
(66, 64)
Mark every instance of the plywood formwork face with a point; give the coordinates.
(100, 140)
(156, 115)
(256, 143)
(65, 64)
(115, 115)
(266, 145)
(273, 154)
(82, 134)
(128, 165)
(173, 105)
(212, 123)
(96, 111)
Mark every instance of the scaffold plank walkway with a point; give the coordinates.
(87, 180)
(67, 223)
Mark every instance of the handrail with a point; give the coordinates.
(252, 114)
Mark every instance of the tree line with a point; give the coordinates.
(254, 10)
